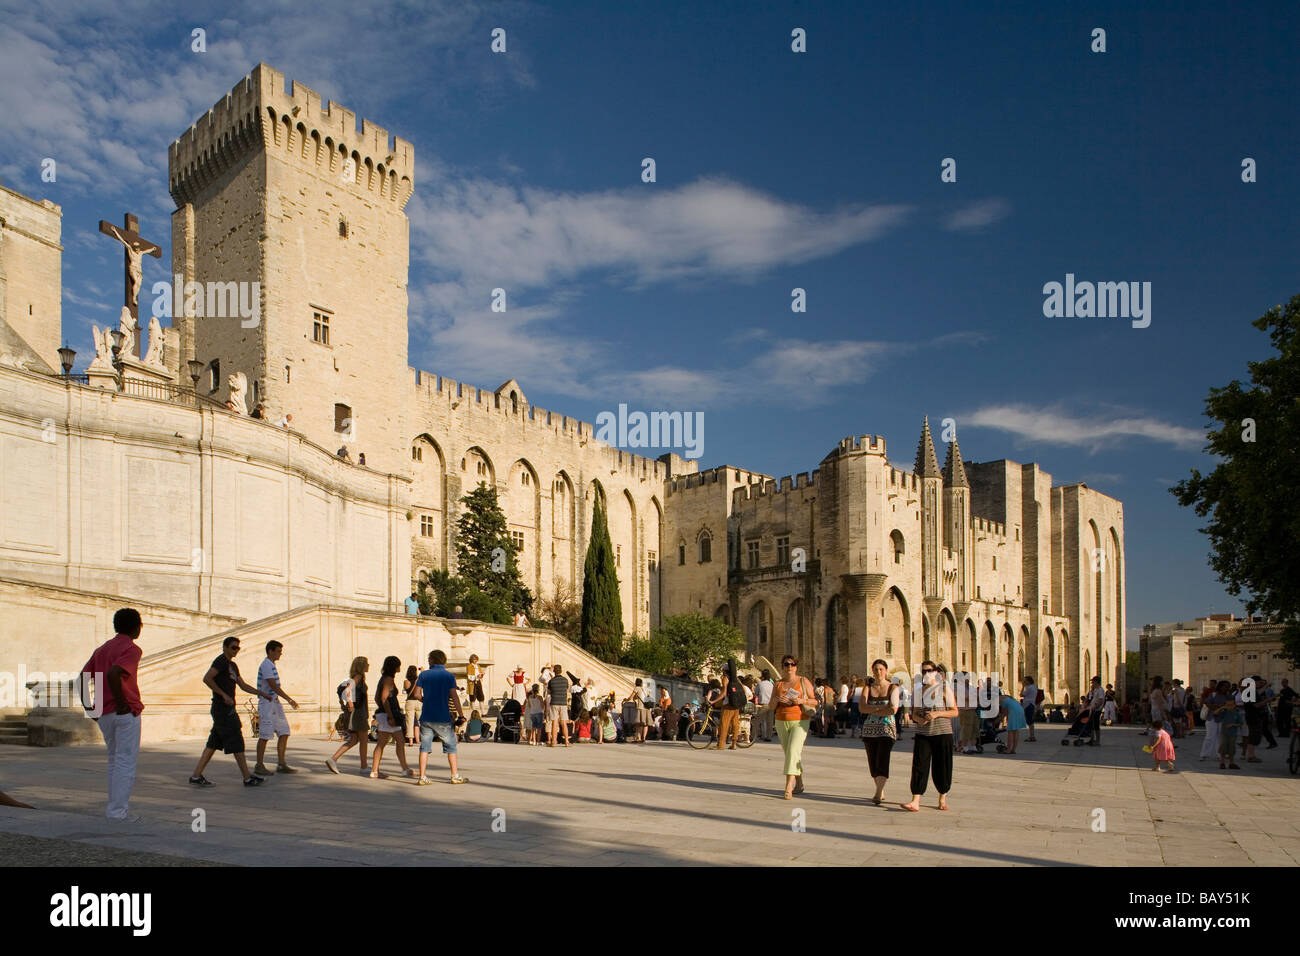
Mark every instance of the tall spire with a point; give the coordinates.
(954, 472)
(927, 465)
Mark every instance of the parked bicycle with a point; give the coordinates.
(703, 730)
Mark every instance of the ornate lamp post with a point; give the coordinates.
(196, 369)
(66, 357)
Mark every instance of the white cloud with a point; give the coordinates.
(1057, 426)
(977, 215)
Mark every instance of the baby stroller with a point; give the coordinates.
(989, 734)
(509, 724)
(1080, 730)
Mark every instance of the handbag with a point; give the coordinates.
(341, 722)
(1205, 712)
(874, 725)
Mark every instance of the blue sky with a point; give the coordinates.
(775, 170)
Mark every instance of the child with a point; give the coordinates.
(1162, 749)
(474, 729)
(1230, 723)
(584, 726)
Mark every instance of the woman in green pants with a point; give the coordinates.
(792, 694)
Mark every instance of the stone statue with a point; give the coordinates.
(238, 383)
(103, 347)
(130, 332)
(155, 354)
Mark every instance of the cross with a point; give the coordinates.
(135, 247)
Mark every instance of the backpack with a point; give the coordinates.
(736, 695)
(343, 705)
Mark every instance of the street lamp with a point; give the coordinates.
(66, 357)
(196, 369)
(118, 339)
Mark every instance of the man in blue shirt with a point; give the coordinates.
(412, 604)
(436, 691)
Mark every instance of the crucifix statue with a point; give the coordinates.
(136, 248)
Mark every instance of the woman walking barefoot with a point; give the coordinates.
(355, 701)
(878, 706)
(392, 723)
(932, 742)
(792, 695)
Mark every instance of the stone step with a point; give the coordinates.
(10, 737)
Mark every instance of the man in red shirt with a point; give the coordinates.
(113, 669)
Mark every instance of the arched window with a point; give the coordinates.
(706, 547)
(681, 552)
(896, 537)
(514, 401)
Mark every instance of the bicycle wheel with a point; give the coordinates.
(700, 735)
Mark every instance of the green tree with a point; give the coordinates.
(602, 609)
(561, 612)
(1252, 496)
(699, 644)
(651, 654)
(487, 561)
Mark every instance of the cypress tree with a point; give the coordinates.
(602, 610)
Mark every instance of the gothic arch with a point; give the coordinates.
(837, 636)
(988, 648)
(796, 624)
(897, 545)
(564, 531)
(758, 629)
(522, 504)
(429, 499)
(704, 546)
(723, 613)
(1047, 665)
(654, 556)
(1006, 664)
(970, 647)
(472, 474)
(946, 641)
(896, 629)
(624, 537)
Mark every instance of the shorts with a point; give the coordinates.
(557, 713)
(444, 732)
(1227, 744)
(227, 730)
(536, 722)
(271, 720)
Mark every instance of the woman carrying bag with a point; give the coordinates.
(795, 704)
(879, 730)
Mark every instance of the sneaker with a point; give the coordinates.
(333, 767)
(261, 771)
(254, 781)
(285, 768)
(131, 818)
(200, 781)
(459, 779)
(423, 782)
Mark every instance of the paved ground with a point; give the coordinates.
(657, 803)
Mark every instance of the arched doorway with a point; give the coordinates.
(895, 631)
(758, 630)
(794, 627)
(837, 629)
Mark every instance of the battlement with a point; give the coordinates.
(995, 528)
(900, 480)
(773, 487)
(467, 400)
(711, 477)
(258, 113)
(871, 444)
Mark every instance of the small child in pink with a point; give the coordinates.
(1162, 748)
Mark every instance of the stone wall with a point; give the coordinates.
(31, 272)
(198, 509)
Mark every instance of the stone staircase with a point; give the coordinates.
(13, 727)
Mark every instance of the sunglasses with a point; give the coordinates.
(928, 670)
(787, 664)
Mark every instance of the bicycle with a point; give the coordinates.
(703, 731)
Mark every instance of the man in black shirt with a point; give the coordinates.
(227, 729)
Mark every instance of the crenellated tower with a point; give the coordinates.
(280, 190)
